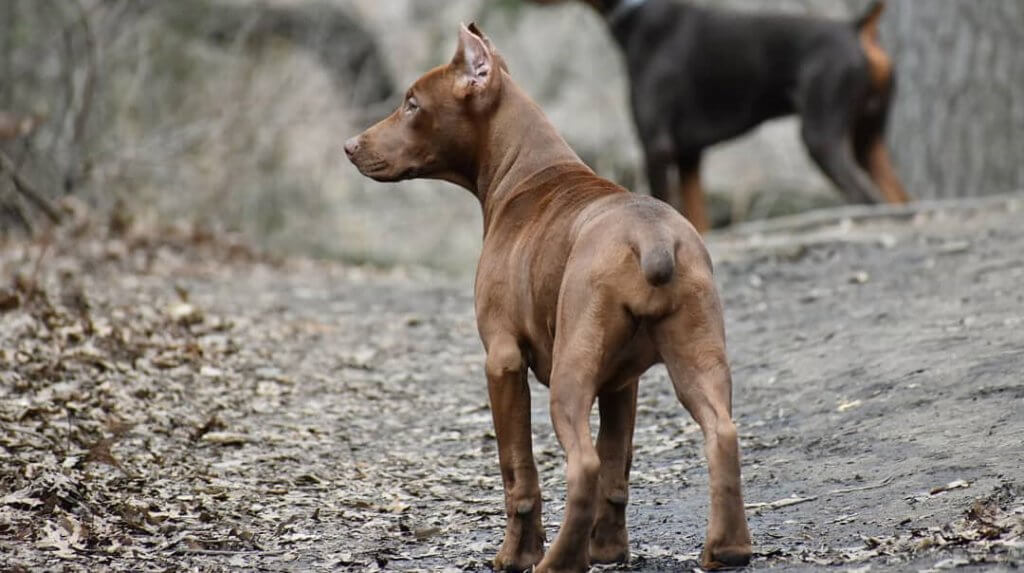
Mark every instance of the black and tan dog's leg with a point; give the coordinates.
(523, 546)
(692, 344)
(694, 206)
(873, 113)
(873, 154)
(831, 149)
(609, 540)
(657, 167)
(659, 157)
(829, 135)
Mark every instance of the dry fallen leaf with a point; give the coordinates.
(860, 277)
(848, 405)
(9, 300)
(184, 313)
(225, 438)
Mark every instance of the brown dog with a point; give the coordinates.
(584, 283)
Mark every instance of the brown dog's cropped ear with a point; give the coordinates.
(474, 63)
(498, 59)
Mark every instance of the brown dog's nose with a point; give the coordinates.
(351, 146)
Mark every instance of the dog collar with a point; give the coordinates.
(623, 9)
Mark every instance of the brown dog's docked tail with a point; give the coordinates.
(657, 259)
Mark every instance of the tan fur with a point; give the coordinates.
(693, 201)
(875, 156)
(879, 63)
(879, 164)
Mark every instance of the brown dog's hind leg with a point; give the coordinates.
(571, 401)
(523, 546)
(609, 540)
(591, 324)
(692, 344)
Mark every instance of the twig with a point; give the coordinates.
(67, 68)
(8, 53)
(780, 503)
(170, 542)
(228, 551)
(80, 117)
(89, 82)
(414, 557)
(875, 485)
(37, 266)
(26, 189)
(14, 209)
(31, 433)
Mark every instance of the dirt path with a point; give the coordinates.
(309, 417)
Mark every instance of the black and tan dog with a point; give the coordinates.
(700, 76)
(583, 283)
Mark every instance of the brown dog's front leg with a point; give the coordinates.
(510, 407)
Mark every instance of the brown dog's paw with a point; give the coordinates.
(609, 543)
(609, 539)
(608, 554)
(727, 557)
(515, 562)
(541, 568)
(523, 546)
(521, 560)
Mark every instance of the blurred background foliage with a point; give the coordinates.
(230, 114)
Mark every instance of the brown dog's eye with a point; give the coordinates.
(411, 104)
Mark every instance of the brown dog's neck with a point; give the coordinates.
(519, 141)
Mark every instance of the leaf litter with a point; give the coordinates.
(171, 400)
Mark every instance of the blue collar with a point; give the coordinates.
(625, 8)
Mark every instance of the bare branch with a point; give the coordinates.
(89, 83)
(27, 189)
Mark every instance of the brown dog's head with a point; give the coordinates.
(434, 133)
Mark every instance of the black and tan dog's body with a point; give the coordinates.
(701, 76)
(583, 283)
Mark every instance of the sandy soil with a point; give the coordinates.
(172, 403)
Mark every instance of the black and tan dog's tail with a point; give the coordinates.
(868, 21)
(880, 65)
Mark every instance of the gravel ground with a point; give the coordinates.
(169, 402)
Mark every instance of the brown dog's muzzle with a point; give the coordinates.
(367, 162)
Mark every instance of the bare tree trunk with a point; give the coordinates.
(958, 124)
(957, 127)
